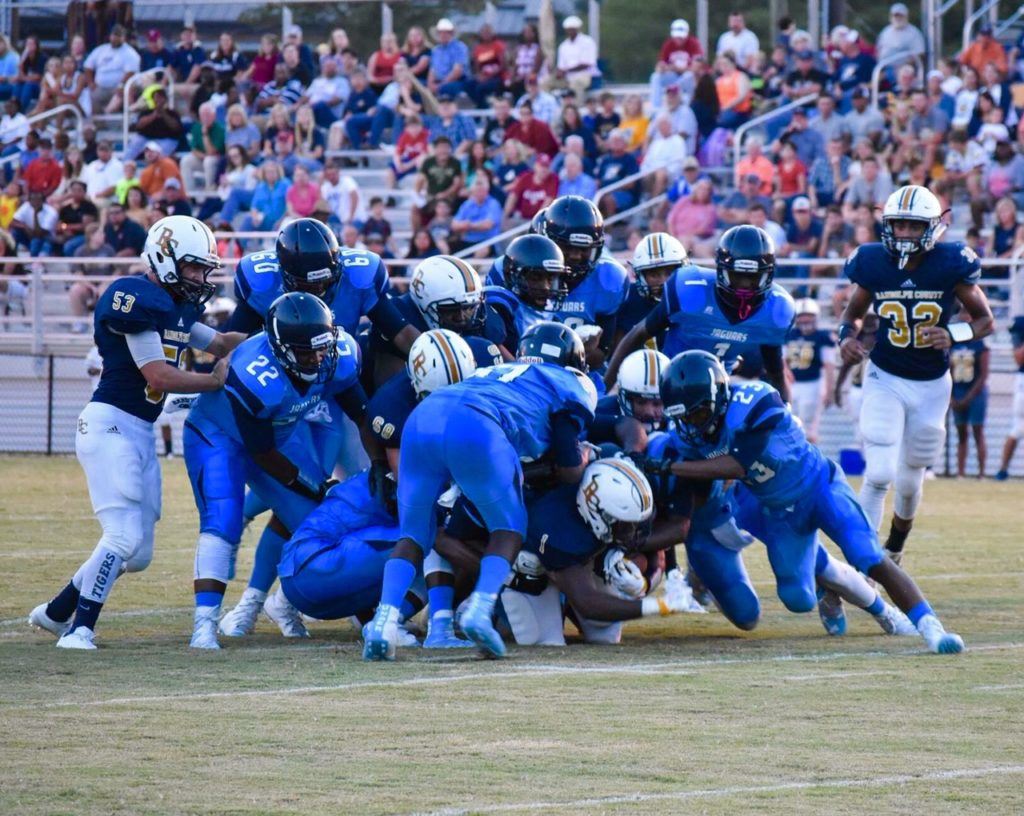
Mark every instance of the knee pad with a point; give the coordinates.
(602, 632)
(909, 487)
(215, 558)
(796, 597)
(434, 563)
(880, 463)
(122, 530)
(923, 446)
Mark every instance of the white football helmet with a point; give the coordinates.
(640, 376)
(588, 387)
(177, 240)
(911, 203)
(615, 499)
(659, 250)
(807, 306)
(447, 292)
(438, 358)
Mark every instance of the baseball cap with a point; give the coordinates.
(985, 28)
(936, 74)
(374, 238)
(801, 204)
(446, 98)
(172, 184)
(860, 92)
(572, 21)
(679, 28)
(690, 162)
(752, 177)
(153, 146)
(852, 35)
(543, 159)
(805, 55)
(673, 88)
(444, 24)
(899, 8)
(294, 31)
(153, 35)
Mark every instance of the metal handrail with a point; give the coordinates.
(986, 7)
(126, 108)
(741, 131)
(876, 75)
(649, 204)
(67, 107)
(519, 229)
(1006, 23)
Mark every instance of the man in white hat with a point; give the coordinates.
(576, 65)
(900, 36)
(674, 59)
(449, 61)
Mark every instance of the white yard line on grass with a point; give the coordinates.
(538, 670)
(1006, 687)
(123, 613)
(717, 793)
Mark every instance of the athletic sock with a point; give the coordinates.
(209, 598)
(877, 607)
(268, 556)
(398, 577)
(98, 576)
(494, 570)
(168, 447)
(919, 611)
(62, 607)
(897, 538)
(441, 600)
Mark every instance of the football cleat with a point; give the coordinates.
(1002, 475)
(241, 620)
(406, 637)
(938, 639)
(380, 635)
(79, 638)
(830, 610)
(38, 618)
(894, 622)
(441, 635)
(280, 610)
(476, 624)
(204, 632)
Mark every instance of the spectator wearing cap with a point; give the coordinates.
(327, 94)
(684, 122)
(456, 127)
(44, 173)
(440, 178)
(162, 125)
(545, 106)
(854, 67)
(159, 168)
(172, 200)
(533, 191)
(805, 78)
(663, 156)
(829, 175)
(123, 235)
(870, 187)
(674, 59)
(496, 128)
(808, 142)
(615, 165)
(342, 195)
(187, 57)
(803, 233)
(449, 61)
(576, 58)
(683, 186)
(734, 207)
(693, 219)
(293, 36)
(900, 36)
(156, 54)
(478, 217)
(206, 140)
(572, 180)
(533, 133)
(74, 217)
(985, 49)
(284, 89)
(488, 61)
(937, 94)
(735, 95)
(739, 41)
(102, 174)
(412, 145)
(108, 67)
(863, 121)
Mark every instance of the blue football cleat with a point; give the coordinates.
(441, 635)
(1002, 476)
(950, 643)
(477, 626)
(380, 634)
(830, 610)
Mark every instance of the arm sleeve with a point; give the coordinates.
(353, 402)
(145, 347)
(257, 434)
(201, 336)
(244, 319)
(386, 318)
(565, 434)
(657, 321)
(607, 323)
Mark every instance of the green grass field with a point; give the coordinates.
(686, 716)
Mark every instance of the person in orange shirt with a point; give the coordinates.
(9, 202)
(755, 163)
(159, 168)
(985, 49)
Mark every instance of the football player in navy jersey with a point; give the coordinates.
(628, 416)
(655, 258)
(968, 366)
(249, 433)
(737, 306)
(143, 325)
(595, 284)
(913, 283)
(475, 434)
(811, 356)
(1017, 421)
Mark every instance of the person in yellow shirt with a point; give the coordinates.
(634, 121)
(10, 200)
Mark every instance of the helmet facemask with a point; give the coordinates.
(581, 254)
(654, 291)
(466, 317)
(312, 361)
(905, 247)
(742, 285)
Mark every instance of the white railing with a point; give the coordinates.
(67, 107)
(968, 32)
(876, 75)
(1006, 24)
(742, 130)
(138, 79)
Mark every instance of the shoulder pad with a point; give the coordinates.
(371, 274)
(750, 403)
(611, 274)
(349, 358)
(258, 272)
(250, 384)
(961, 260)
(690, 285)
(862, 260)
(607, 406)
(780, 307)
(496, 274)
(500, 297)
(135, 304)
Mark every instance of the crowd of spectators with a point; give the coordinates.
(247, 140)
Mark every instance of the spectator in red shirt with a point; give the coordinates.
(532, 191)
(674, 59)
(410, 148)
(488, 60)
(44, 173)
(791, 174)
(533, 133)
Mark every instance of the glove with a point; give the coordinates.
(650, 465)
(677, 586)
(179, 402)
(677, 598)
(623, 575)
(383, 487)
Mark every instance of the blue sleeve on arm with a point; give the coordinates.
(244, 319)
(353, 402)
(386, 318)
(257, 434)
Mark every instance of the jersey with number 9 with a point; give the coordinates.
(910, 300)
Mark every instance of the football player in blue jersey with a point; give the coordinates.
(913, 283)
(246, 434)
(444, 293)
(143, 326)
(654, 261)
(969, 365)
(534, 272)
(735, 307)
(811, 356)
(1017, 421)
(595, 285)
(747, 433)
(475, 434)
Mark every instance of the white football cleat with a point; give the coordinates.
(38, 618)
(280, 610)
(241, 620)
(938, 639)
(204, 631)
(894, 622)
(381, 634)
(405, 638)
(80, 638)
